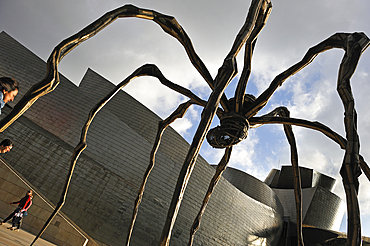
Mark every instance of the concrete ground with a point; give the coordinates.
(14, 238)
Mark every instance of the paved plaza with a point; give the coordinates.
(14, 238)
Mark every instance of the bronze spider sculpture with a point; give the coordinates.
(236, 115)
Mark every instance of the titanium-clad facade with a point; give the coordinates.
(320, 207)
(109, 172)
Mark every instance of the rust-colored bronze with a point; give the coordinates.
(236, 115)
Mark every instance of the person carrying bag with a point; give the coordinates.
(21, 211)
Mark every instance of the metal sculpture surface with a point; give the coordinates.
(237, 115)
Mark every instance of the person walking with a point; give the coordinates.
(21, 211)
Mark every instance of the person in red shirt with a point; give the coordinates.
(23, 205)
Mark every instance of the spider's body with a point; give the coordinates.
(236, 115)
(233, 126)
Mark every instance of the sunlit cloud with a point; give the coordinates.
(293, 27)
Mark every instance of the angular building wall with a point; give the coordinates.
(320, 207)
(250, 186)
(109, 172)
(62, 232)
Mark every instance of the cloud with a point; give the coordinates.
(293, 27)
(187, 122)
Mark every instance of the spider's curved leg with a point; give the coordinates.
(343, 143)
(337, 40)
(162, 125)
(239, 99)
(220, 169)
(51, 79)
(257, 10)
(283, 112)
(354, 44)
(350, 170)
(364, 167)
(249, 47)
(224, 76)
(145, 70)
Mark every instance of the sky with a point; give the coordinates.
(293, 27)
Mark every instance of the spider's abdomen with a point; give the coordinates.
(232, 130)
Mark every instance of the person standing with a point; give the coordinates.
(23, 205)
(6, 145)
(9, 90)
